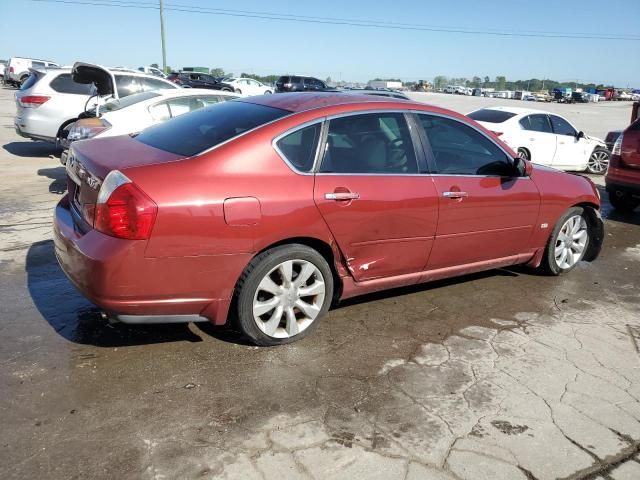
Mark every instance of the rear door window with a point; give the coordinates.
(152, 84)
(203, 129)
(299, 147)
(63, 83)
(369, 143)
(127, 85)
(536, 123)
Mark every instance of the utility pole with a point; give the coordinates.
(164, 50)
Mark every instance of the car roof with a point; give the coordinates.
(518, 110)
(300, 102)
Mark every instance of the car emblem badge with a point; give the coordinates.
(544, 225)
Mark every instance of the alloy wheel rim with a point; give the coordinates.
(571, 242)
(289, 298)
(598, 161)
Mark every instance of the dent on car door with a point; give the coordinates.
(380, 209)
(486, 212)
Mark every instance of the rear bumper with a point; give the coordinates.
(116, 276)
(21, 130)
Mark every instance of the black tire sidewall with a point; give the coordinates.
(625, 203)
(253, 275)
(549, 262)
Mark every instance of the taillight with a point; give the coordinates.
(33, 101)
(123, 210)
(87, 128)
(617, 147)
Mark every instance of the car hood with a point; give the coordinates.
(97, 75)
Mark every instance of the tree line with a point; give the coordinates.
(501, 83)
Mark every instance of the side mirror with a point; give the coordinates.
(580, 135)
(523, 167)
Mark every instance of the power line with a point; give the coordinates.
(338, 21)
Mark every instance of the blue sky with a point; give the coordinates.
(130, 37)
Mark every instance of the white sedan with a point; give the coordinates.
(248, 86)
(545, 138)
(136, 112)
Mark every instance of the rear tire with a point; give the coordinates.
(568, 242)
(623, 202)
(283, 294)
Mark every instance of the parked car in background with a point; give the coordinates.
(623, 177)
(134, 113)
(17, 69)
(293, 83)
(198, 80)
(611, 138)
(152, 71)
(379, 93)
(51, 99)
(248, 86)
(189, 219)
(545, 138)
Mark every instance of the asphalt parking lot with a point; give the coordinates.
(501, 375)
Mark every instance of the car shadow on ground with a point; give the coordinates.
(610, 213)
(79, 321)
(59, 177)
(30, 149)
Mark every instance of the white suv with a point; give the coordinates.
(17, 70)
(50, 100)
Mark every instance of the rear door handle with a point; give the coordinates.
(341, 196)
(455, 195)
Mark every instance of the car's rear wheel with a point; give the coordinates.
(283, 294)
(598, 161)
(568, 242)
(623, 201)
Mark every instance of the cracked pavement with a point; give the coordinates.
(501, 375)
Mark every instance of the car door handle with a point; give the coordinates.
(455, 195)
(341, 196)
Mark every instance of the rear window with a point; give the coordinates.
(197, 131)
(63, 83)
(491, 116)
(118, 104)
(31, 81)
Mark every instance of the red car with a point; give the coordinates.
(267, 209)
(623, 176)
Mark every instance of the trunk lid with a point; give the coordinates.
(89, 162)
(97, 75)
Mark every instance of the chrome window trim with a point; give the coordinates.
(321, 138)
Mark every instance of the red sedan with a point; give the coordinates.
(267, 209)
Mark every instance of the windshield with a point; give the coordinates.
(491, 116)
(118, 104)
(203, 129)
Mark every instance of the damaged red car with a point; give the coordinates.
(265, 210)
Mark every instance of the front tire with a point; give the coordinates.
(283, 294)
(599, 161)
(568, 242)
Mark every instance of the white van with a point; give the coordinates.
(17, 70)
